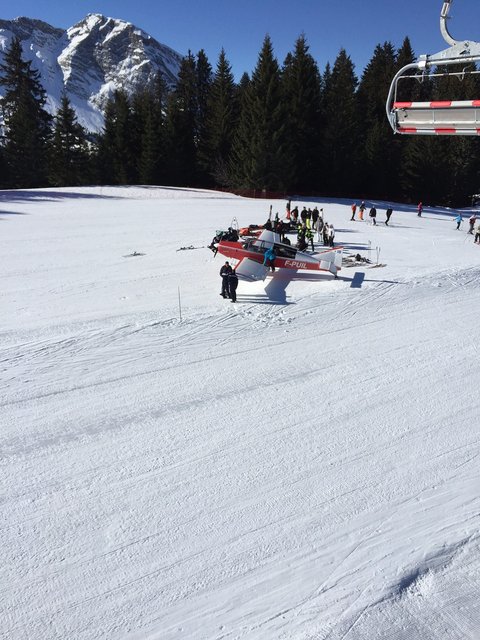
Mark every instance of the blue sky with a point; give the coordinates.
(240, 26)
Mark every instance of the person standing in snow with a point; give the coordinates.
(301, 242)
(308, 220)
(477, 234)
(269, 258)
(361, 210)
(373, 215)
(309, 237)
(471, 221)
(420, 209)
(331, 235)
(319, 226)
(388, 213)
(326, 227)
(354, 211)
(315, 214)
(225, 271)
(459, 220)
(232, 285)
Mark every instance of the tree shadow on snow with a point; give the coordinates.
(46, 195)
(12, 213)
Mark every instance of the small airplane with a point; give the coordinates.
(250, 256)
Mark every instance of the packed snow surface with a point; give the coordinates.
(301, 465)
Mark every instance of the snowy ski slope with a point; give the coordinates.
(301, 465)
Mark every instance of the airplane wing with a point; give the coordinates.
(251, 271)
(270, 237)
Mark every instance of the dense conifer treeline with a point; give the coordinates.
(286, 128)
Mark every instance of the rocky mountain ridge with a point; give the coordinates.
(90, 60)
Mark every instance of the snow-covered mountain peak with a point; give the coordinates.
(90, 60)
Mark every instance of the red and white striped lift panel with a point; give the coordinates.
(442, 117)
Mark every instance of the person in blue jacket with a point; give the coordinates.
(269, 258)
(459, 220)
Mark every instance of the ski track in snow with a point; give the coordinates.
(300, 467)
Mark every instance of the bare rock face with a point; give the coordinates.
(91, 60)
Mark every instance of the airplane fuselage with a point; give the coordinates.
(286, 257)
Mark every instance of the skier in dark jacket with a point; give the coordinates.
(232, 285)
(315, 214)
(388, 212)
(373, 215)
(225, 271)
(309, 237)
(471, 222)
(361, 210)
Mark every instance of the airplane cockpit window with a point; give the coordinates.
(252, 245)
(283, 251)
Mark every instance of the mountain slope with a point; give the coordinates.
(91, 60)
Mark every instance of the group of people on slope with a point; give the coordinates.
(229, 282)
(304, 224)
(308, 217)
(372, 213)
(305, 235)
(473, 230)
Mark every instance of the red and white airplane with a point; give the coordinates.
(250, 256)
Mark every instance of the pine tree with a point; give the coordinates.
(417, 87)
(204, 82)
(221, 122)
(381, 148)
(425, 171)
(341, 152)
(302, 97)
(69, 151)
(26, 123)
(259, 146)
(455, 82)
(4, 176)
(148, 116)
(242, 87)
(126, 143)
(105, 155)
(181, 121)
(118, 146)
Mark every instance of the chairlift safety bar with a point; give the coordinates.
(460, 121)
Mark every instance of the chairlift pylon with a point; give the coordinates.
(437, 117)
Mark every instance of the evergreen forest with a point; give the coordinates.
(287, 129)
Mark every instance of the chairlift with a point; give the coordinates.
(440, 117)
